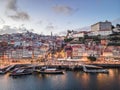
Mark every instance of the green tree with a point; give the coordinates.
(92, 58)
(81, 39)
(68, 39)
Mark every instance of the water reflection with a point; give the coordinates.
(69, 81)
(85, 78)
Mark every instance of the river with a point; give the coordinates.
(71, 80)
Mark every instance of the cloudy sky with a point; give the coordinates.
(57, 16)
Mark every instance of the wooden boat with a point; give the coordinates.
(6, 69)
(20, 72)
(97, 70)
(50, 71)
(2, 72)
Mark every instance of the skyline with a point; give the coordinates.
(46, 16)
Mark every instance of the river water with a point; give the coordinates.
(71, 80)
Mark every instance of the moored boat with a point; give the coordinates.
(20, 72)
(50, 71)
(97, 70)
(2, 72)
(6, 69)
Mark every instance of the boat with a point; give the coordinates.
(96, 70)
(6, 69)
(50, 71)
(19, 72)
(9, 68)
(2, 72)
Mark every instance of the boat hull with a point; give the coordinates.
(52, 72)
(20, 74)
(96, 71)
(2, 73)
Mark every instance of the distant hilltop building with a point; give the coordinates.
(101, 26)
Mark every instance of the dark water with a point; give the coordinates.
(69, 81)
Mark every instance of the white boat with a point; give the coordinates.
(50, 71)
(100, 70)
(2, 72)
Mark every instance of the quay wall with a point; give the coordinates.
(107, 65)
(77, 67)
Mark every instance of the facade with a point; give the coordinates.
(68, 50)
(104, 42)
(77, 35)
(76, 51)
(101, 26)
(101, 32)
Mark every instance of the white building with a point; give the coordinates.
(77, 35)
(101, 26)
(101, 32)
(17, 43)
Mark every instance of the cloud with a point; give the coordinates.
(50, 26)
(62, 33)
(14, 13)
(2, 21)
(39, 22)
(20, 16)
(12, 5)
(9, 30)
(62, 9)
(86, 28)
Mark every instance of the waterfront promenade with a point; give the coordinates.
(56, 63)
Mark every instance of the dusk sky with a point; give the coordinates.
(57, 16)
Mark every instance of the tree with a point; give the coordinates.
(112, 26)
(68, 39)
(81, 39)
(92, 58)
(118, 26)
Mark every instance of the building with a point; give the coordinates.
(77, 51)
(104, 42)
(101, 26)
(78, 34)
(100, 32)
(68, 50)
